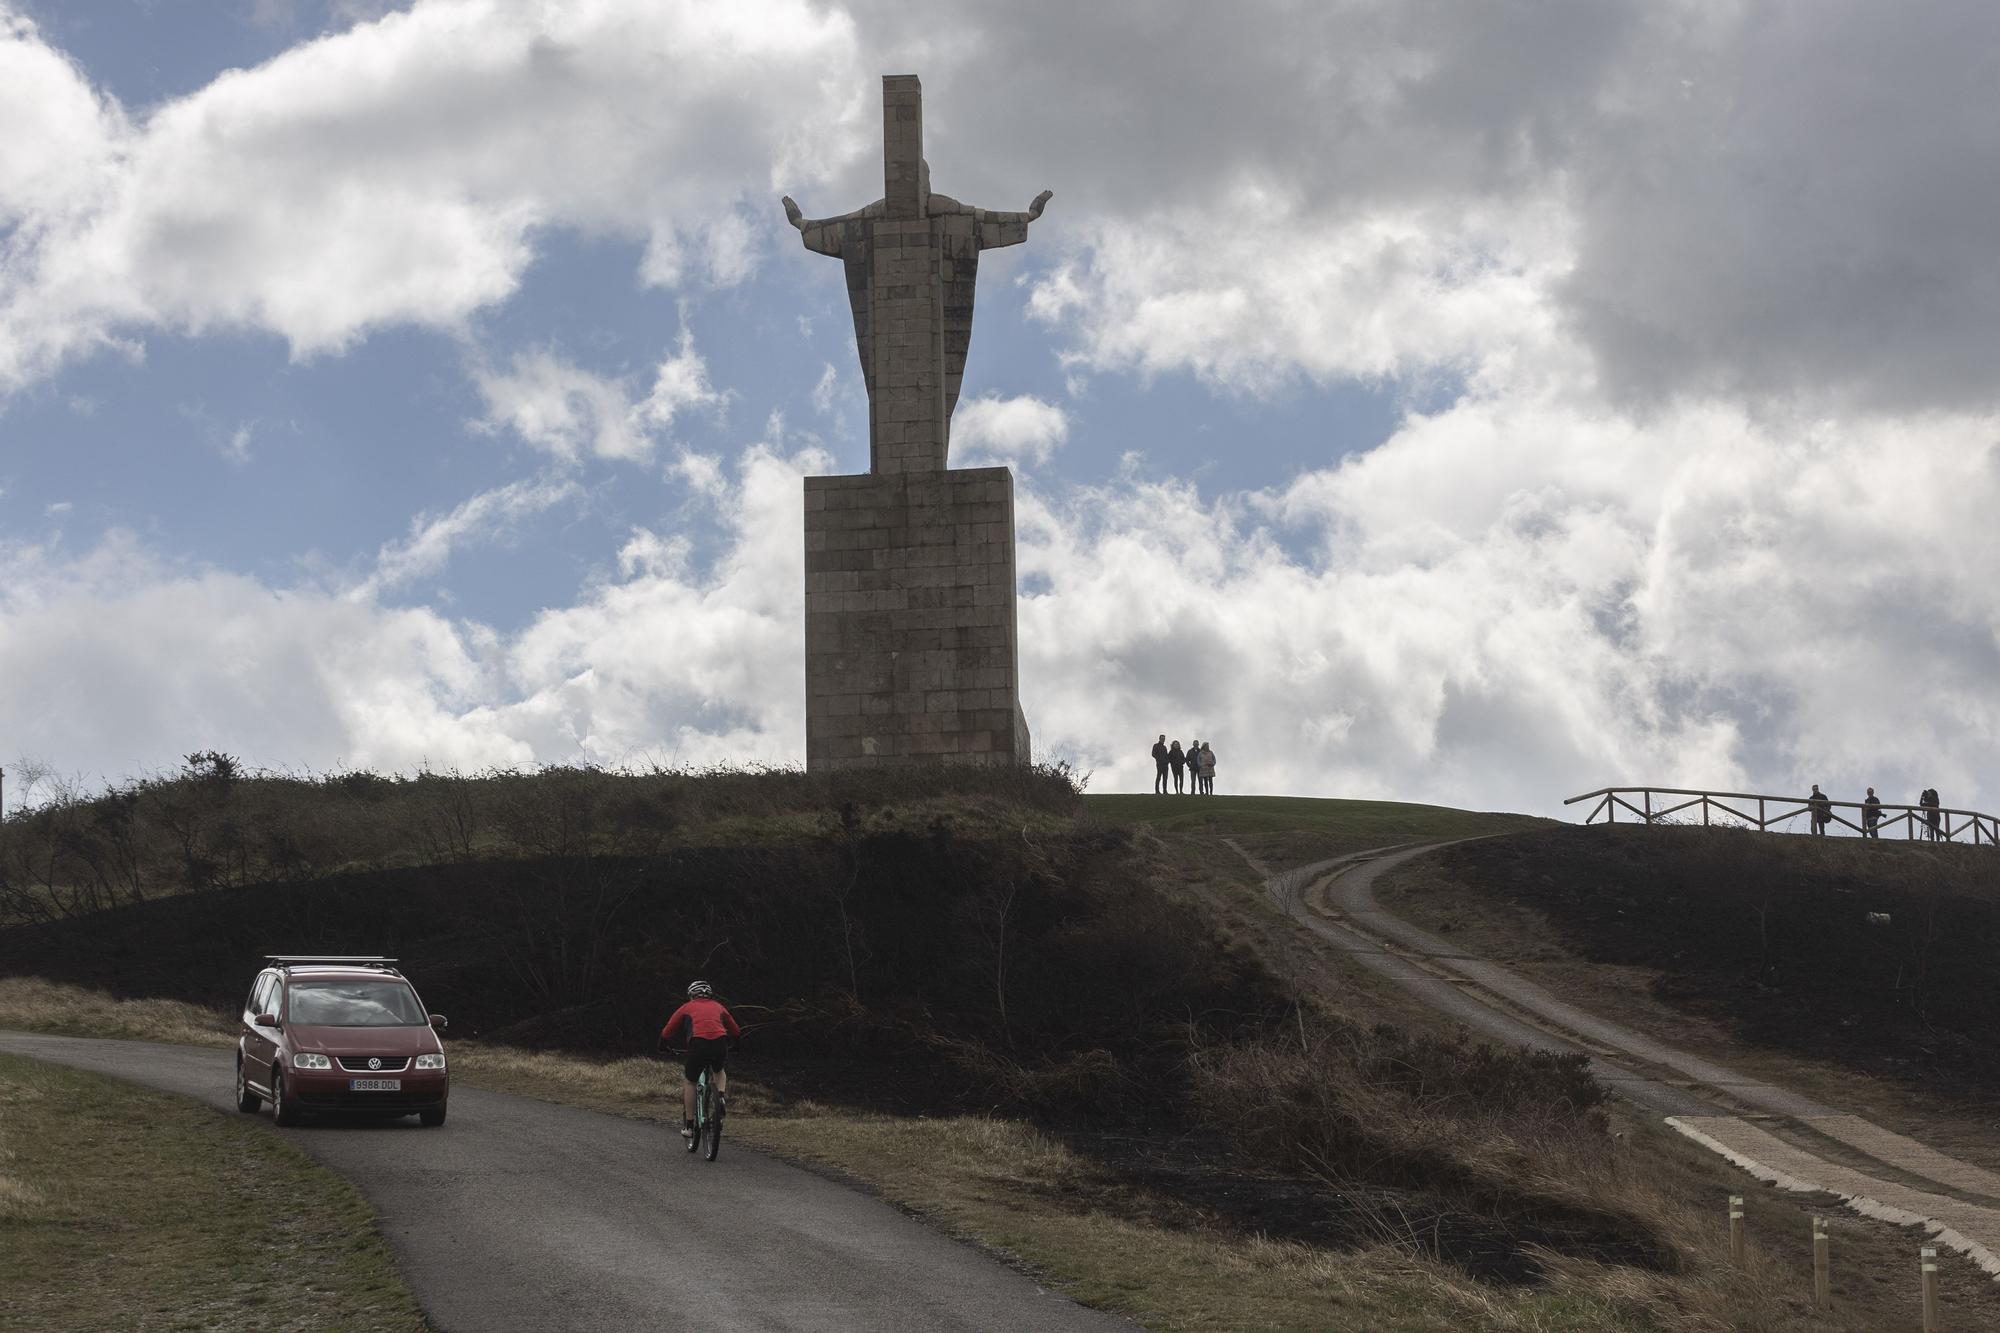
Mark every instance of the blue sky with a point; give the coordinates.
(1463, 417)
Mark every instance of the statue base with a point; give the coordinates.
(910, 636)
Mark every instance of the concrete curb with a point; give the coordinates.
(1860, 1203)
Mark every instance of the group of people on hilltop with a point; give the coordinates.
(1820, 806)
(1195, 764)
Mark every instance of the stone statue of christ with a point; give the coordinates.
(912, 260)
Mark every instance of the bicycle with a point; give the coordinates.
(709, 1108)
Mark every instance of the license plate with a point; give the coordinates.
(374, 1085)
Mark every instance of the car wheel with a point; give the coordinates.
(431, 1119)
(282, 1111)
(246, 1100)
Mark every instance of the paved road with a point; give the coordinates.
(523, 1215)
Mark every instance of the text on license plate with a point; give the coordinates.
(374, 1085)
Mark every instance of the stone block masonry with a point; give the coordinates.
(910, 635)
(910, 647)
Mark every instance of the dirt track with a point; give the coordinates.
(1914, 1185)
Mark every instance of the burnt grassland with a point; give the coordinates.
(1768, 938)
(965, 988)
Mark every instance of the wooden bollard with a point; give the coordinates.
(1822, 1266)
(1736, 1229)
(1928, 1256)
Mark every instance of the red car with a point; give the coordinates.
(339, 1034)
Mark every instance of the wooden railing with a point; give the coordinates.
(1764, 813)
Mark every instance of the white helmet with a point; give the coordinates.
(700, 990)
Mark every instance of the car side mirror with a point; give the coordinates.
(440, 1022)
(267, 1021)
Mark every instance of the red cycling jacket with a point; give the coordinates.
(706, 1019)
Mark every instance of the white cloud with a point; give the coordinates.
(397, 172)
(822, 394)
(1023, 429)
(1703, 602)
(560, 407)
(1713, 601)
(1705, 291)
(434, 538)
(680, 384)
(118, 660)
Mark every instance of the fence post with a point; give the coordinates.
(1762, 823)
(1647, 797)
(1736, 1238)
(1822, 1266)
(1704, 811)
(1928, 1258)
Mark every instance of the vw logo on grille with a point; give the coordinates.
(374, 1062)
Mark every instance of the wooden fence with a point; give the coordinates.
(1650, 805)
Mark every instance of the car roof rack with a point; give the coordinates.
(331, 960)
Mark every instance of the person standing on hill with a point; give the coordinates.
(1930, 801)
(1160, 765)
(1207, 770)
(1178, 759)
(1821, 808)
(1871, 815)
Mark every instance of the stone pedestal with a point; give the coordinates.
(910, 640)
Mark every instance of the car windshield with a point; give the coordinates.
(356, 1004)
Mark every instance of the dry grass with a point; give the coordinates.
(212, 825)
(200, 1222)
(1002, 1184)
(29, 1004)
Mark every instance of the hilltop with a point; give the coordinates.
(954, 947)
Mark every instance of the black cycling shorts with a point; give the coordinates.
(704, 1053)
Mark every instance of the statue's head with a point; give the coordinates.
(924, 179)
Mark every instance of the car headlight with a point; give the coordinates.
(307, 1060)
(430, 1062)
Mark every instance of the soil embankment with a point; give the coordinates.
(1871, 956)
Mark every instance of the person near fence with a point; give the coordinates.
(1178, 758)
(1207, 770)
(1871, 815)
(1160, 765)
(1930, 802)
(1821, 808)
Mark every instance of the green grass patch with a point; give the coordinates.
(1292, 814)
(122, 1208)
(1286, 831)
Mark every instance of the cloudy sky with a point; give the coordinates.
(1476, 401)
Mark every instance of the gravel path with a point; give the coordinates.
(1335, 899)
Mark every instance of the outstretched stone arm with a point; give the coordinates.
(997, 229)
(822, 235)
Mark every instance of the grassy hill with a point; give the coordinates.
(947, 946)
(1875, 956)
(1296, 830)
(1388, 820)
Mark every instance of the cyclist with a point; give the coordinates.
(710, 1030)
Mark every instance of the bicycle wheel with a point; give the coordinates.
(700, 1110)
(712, 1131)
